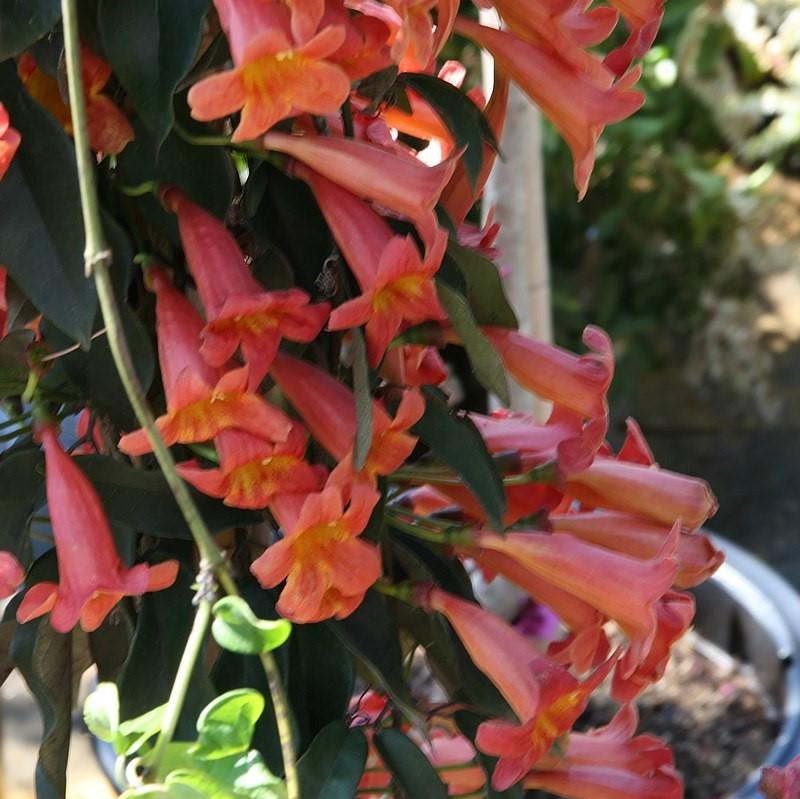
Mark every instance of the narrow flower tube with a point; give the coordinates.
(393, 179)
(647, 491)
(643, 18)
(505, 656)
(239, 312)
(92, 578)
(201, 401)
(579, 105)
(327, 566)
(577, 382)
(697, 556)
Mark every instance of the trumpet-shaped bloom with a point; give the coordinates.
(396, 282)
(580, 105)
(577, 382)
(646, 491)
(275, 76)
(11, 574)
(414, 366)
(519, 747)
(505, 656)
(365, 49)
(697, 556)
(643, 18)
(781, 783)
(239, 312)
(253, 471)
(611, 763)
(91, 576)
(201, 401)
(622, 588)
(391, 178)
(674, 615)
(328, 410)
(326, 565)
(9, 141)
(109, 128)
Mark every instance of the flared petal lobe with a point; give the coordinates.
(9, 141)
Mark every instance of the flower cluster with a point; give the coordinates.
(312, 405)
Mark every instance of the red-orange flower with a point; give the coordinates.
(781, 783)
(253, 471)
(201, 401)
(327, 567)
(414, 366)
(9, 141)
(275, 76)
(11, 574)
(91, 576)
(238, 310)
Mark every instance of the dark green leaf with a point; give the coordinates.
(165, 618)
(41, 229)
(226, 725)
(483, 357)
(485, 292)
(204, 173)
(141, 500)
(151, 44)
(21, 493)
(459, 113)
(238, 629)
(320, 679)
(371, 635)
(22, 22)
(14, 362)
(333, 764)
(410, 768)
(455, 441)
(363, 400)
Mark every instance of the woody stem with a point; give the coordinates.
(97, 257)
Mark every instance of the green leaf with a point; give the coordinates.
(21, 493)
(363, 400)
(226, 725)
(191, 784)
(483, 357)
(460, 115)
(321, 679)
(151, 44)
(51, 664)
(41, 229)
(136, 732)
(485, 292)
(141, 500)
(204, 173)
(455, 441)
(371, 635)
(333, 765)
(247, 775)
(14, 362)
(238, 629)
(23, 22)
(410, 768)
(101, 712)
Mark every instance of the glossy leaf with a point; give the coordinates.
(484, 287)
(334, 763)
(410, 768)
(41, 228)
(14, 362)
(455, 441)
(101, 712)
(486, 363)
(237, 628)
(461, 116)
(135, 732)
(226, 725)
(141, 500)
(21, 493)
(151, 44)
(23, 23)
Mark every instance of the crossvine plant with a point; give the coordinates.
(239, 250)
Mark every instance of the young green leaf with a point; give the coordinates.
(237, 628)
(136, 732)
(101, 712)
(226, 725)
(410, 768)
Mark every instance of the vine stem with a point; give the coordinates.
(97, 257)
